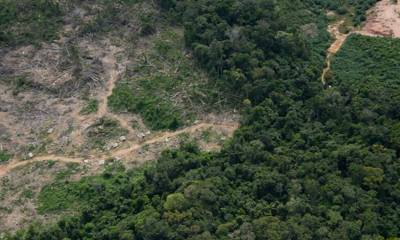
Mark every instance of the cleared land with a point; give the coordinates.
(55, 98)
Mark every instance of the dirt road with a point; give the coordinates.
(118, 153)
(340, 38)
(113, 71)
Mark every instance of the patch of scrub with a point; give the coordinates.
(164, 85)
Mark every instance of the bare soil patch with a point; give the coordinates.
(42, 92)
(383, 20)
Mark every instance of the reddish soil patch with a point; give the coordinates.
(383, 20)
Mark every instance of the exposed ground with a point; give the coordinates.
(339, 39)
(133, 151)
(43, 90)
(383, 20)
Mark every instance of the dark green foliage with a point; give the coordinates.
(28, 21)
(249, 46)
(147, 23)
(4, 156)
(356, 8)
(306, 163)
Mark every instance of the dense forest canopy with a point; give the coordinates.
(306, 163)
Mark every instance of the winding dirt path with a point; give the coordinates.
(113, 71)
(340, 38)
(118, 153)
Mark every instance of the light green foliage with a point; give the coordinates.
(373, 177)
(63, 195)
(270, 228)
(367, 71)
(175, 202)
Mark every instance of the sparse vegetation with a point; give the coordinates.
(28, 21)
(156, 113)
(105, 130)
(122, 17)
(164, 86)
(57, 196)
(92, 105)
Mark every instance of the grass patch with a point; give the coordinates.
(28, 21)
(92, 105)
(63, 195)
(104, 130)
(156, 113)
(164, 86)
(4, 156)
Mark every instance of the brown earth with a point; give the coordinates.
(383, 20)
(130, 152)
(41, 98)
(339, 39)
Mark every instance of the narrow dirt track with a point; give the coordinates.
(119, 153)
(340, 38)
(113, 70)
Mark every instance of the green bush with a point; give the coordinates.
(91, 107)
(28, 21)
(4, 156)
(157, 113)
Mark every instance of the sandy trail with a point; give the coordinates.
(340, 38)
(113, 71)
(119, 153)
(111, 67)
